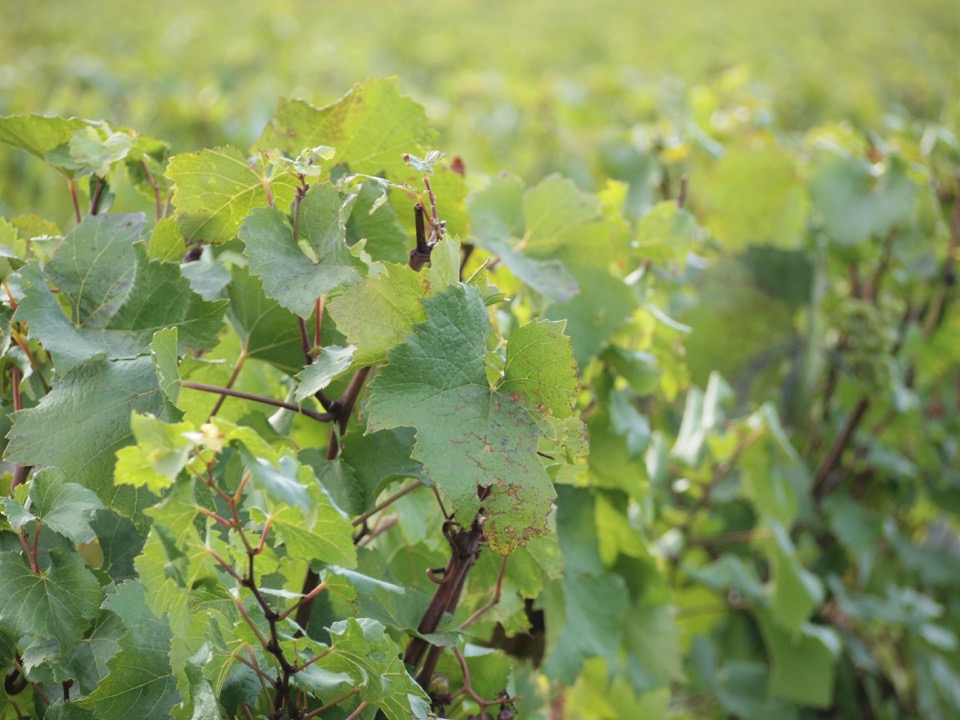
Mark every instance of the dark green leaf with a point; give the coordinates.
(141, 685)
(81, 424)
(59, 603)
(296, 270)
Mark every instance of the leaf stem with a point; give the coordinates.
(333, 703)
(360, 519)
(76, 201)
(156, 189)
(97, 195)
(341, 410)
(319, 417)
(22, 344)
(356, 713)
(305, 599)
(492, 601)
(230, 381)
(821, 478)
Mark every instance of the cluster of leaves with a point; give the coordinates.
(331, 436)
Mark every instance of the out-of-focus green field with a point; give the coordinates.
(531, 86)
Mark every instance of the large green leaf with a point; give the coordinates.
(857, 205)
(468, 435)
(804, 663)
(81, 424)
(376, 314)
(38, 134)
(58, 603)
(141, 684)
(370, 127)
(111, 289)
(64, 507)
(268, 330)
(746, 209)
(363, 651)
(296, 270)
(581, 627)
(214, 190)
(555, 238)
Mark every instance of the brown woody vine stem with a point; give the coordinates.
(340, 411)
(821, 478)
(320, 417)
(230, 381)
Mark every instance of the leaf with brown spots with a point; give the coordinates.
(470, 435)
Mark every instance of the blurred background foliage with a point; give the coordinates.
(533, 87)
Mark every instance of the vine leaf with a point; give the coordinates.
(64, 507)
(111, 291)
(362, 650)
(141, 684)
(160, 453)
(855, 205)
(79, 426)
(370, 127)
(331, 363)
(268, 331)
(215, 190)
(376, 314)
(39, 135)
(587, 628)
(556, 239)
(59, 603)
(468, 434)
(297, 270)
(540, 368)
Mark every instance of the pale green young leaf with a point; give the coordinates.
(215, 190)
(666, 234)
(99, 151)
(370, 127)
(467, 435)
(745, 209)
(59, 603)
(282, 483)
(444, 264)
(549, 277)
(38, 134)
(160, 453)
(554, 238)
(331, 363)
(376, 314)
(297, 270)
(318, 531)
(163, 349)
